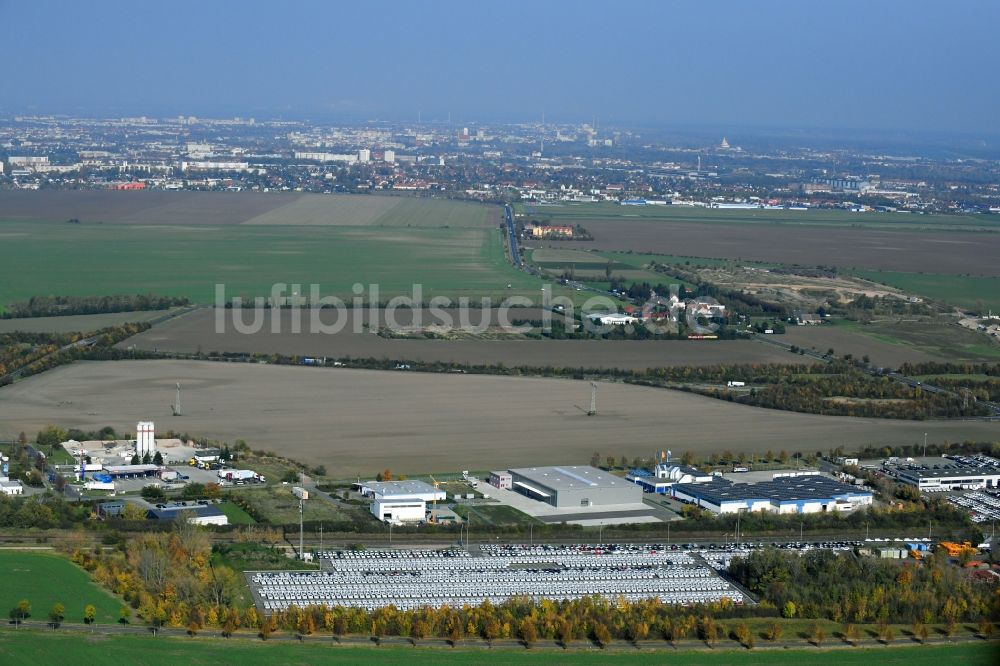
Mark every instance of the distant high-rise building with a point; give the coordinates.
(364, 155)
(389, 156)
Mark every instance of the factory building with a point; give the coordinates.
(951, 477)
(399, 511)
(801, 494)
(574, 486)
(400, 490)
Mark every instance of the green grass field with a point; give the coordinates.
(45, 579)
(969, 292)
(235, 514)
(41, 647)
(581, 212)
(94, 259)
(946, 340)
(495, 514)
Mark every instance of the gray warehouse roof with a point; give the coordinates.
(571, 477)
(391, 488)
(171, 512)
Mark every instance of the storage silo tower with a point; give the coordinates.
(145, 441)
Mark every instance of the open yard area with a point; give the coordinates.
(277, 506)
(196, 331)
(362, 421)
(45, 579)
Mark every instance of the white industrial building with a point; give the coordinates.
(400, 511)
(801, 494)
(145, 439)
(665, 476)
(950, 478)
(613, 319)
(400, 501)
(400, 491)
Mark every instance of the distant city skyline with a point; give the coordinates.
(913, 66)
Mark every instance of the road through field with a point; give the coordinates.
(360, 421)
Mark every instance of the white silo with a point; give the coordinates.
(145, 441)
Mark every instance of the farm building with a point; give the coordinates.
(574, 486)
(802, 494)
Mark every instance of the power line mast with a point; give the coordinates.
(176, 407)
(303, 495)
(593, 399)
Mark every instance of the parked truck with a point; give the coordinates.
(240, 475)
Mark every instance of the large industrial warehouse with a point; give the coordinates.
(574, 486)
(799, 494)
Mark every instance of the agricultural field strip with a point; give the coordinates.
(196, 331)
(579, 213)
(869, 249)
(361, 421)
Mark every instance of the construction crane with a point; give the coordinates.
(593, 400)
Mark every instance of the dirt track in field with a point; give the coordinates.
(909, 251)
(360, 422)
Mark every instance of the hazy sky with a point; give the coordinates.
(906, 64)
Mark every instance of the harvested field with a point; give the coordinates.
(197, 331)
(360, 422)
(108, 207)
(77, 323)
(252, 208)
(846, 247)
(365, 210)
